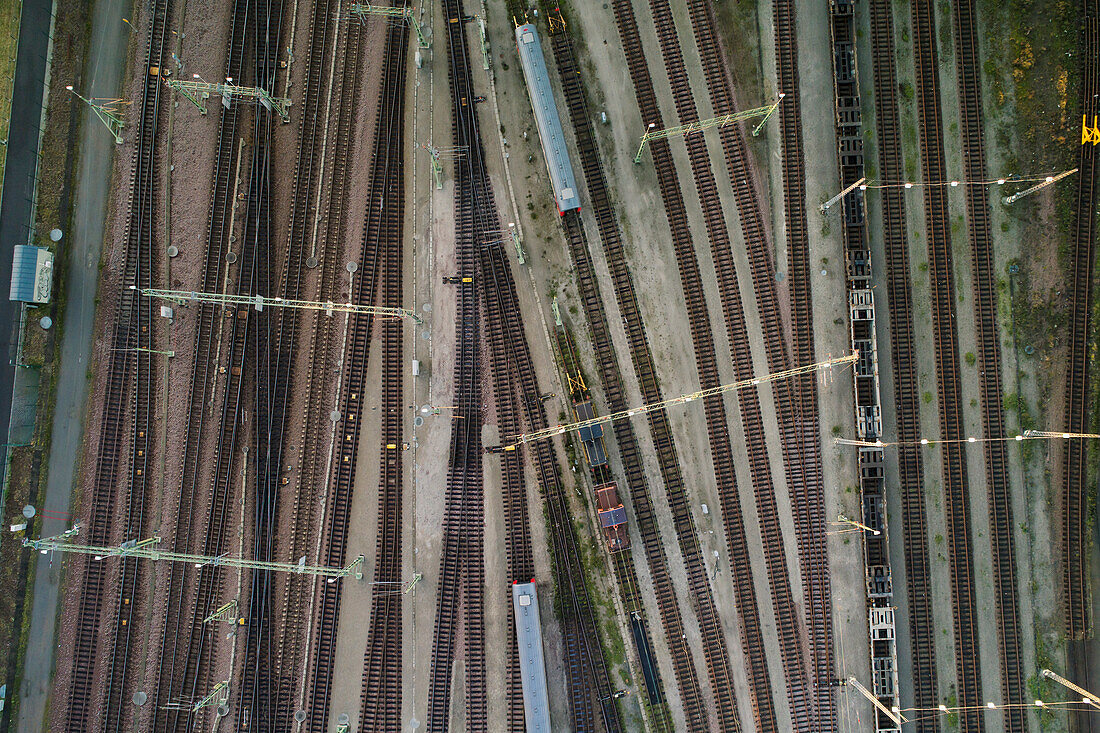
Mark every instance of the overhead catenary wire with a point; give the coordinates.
(517, 440)
(1000, 181)
(1026, 435)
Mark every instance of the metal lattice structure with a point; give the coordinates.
(259, 302)
(701, 125)
(109, 112)
(198, 91)
(393, 13)
(147, 549)
(682, 399)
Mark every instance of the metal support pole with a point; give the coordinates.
(825, 206)
(700, 125)
(840, 518)
(212, 697)
(756, 130)
(437, 167)
(403, 14)
(1027, 191)
(108, 111)
(1053, 434)
(515, 241)
(143, 350)
(893, 715)
(484, 44)
(198, 91)
(1086, 696)
(224, 613)
(1090, 134)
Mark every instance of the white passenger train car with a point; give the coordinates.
(546, 118)
(532, 666)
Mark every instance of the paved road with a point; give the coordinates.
(102, 78)
(22, 154)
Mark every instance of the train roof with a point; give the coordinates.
(536, 699)
(613, 517)
(607, 497)
(546, 118)
(584, 412)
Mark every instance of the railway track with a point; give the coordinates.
(461, 549)
(611, 377)
(714, 645)
(379, 278)
(519, 556)
(318, 222)
(126, 403)
(1075, 488)
(271, 348)
(479, 246)
(587, 677)
(956, 493)
(790, 636)
(461, 573)
(903, 351)
(189, 592)
(337, 512)
(307, 209)
(805, 477)
(1001, 525)
(381, 696)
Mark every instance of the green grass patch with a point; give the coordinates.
(10, 13)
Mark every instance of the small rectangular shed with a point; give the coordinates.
(31, 274)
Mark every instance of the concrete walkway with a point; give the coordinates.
(102, 78)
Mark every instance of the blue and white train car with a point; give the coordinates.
(547, 119)
(532, 666)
